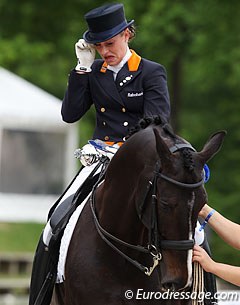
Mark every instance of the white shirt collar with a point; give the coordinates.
(118, 67)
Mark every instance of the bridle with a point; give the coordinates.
(154, 245)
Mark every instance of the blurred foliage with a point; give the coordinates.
(19, 237)
(197, 41)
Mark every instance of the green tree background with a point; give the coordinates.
(197, 41)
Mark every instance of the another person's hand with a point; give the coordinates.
(85, 53)
(201, 256)
(206, 209)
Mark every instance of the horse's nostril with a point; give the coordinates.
(172, 285)
(169, 286)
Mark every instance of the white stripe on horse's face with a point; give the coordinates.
(190, 236)
(189, 267)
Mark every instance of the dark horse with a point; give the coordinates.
(134, 238)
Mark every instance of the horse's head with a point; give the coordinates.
(170, 205)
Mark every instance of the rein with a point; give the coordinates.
(181, 184)
(154, 243)
(106, 236)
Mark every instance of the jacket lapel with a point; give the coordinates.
(126, 75)
(129, 71)
(106, 81)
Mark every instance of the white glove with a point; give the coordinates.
(87, 155)
(85, 53)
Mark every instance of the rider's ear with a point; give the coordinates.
(212, 146)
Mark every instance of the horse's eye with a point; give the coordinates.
(164, 204)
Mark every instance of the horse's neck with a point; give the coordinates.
(115, 200)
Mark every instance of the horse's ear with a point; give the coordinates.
(212, 146)
(161, 146)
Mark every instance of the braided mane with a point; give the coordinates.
(153, 120)
(186, 153)
(188, 159)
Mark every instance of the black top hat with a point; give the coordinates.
(105, 22)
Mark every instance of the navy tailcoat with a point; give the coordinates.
(139, 90)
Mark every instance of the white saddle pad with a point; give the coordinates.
(67, 235)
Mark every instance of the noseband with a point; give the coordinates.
(154, 244)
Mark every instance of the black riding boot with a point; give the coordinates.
(44, 274)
